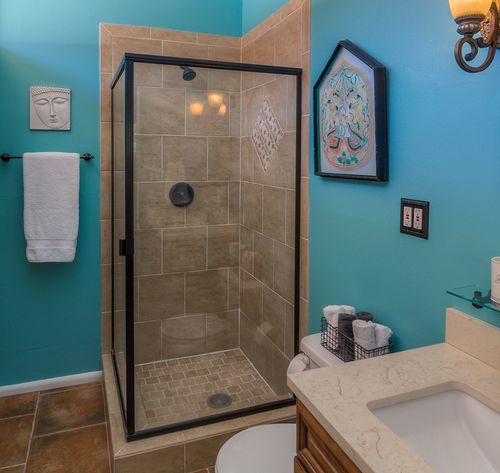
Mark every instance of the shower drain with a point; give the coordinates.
(216, 401)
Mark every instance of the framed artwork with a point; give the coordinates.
(50, 108)
(350, 117)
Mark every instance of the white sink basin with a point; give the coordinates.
(451, 431)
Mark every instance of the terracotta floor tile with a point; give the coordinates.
(69, 388)
(76, 451)
(19, 405)
(69, 409)
(14, 440)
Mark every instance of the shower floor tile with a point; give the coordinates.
(177, 390)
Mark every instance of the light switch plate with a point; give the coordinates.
(415, 218)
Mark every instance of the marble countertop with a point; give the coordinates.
(340, 397)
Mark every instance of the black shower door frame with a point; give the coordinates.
(127, 400)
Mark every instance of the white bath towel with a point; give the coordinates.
(51, 193)
(364, 335)
(382, 335)
(331, 313)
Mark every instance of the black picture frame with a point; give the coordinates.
(379, 91)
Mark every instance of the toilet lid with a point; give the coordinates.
(262, 449)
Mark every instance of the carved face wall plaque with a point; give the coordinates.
(50, 108)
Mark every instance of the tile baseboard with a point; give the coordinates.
(51, 383)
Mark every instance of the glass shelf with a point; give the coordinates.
(476, 295)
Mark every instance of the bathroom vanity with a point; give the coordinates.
(317, 452)
(430, 410)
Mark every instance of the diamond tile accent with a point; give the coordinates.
(266, 135)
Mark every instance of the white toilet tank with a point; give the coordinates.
(312, 355)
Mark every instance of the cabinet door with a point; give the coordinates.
(317, 452)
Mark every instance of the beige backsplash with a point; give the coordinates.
(474, 337)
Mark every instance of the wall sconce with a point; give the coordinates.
(222, 109)
(473, 17)
(196, 108)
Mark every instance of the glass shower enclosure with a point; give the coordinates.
(205, 201)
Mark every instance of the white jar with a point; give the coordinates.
(495, 279)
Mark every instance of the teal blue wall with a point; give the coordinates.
(256, 11)
(444, 147)
(49, 313)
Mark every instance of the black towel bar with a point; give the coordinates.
(5, 157)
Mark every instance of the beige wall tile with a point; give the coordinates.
(147, 158)
(251, 298)
(290, 7)
(207, 291)
(105, 146)
(304, 318)
(147, 342)
(222, 331)
(257, 347)
(304, 268)
(252, 206)
(105, 50)
(105, 333)
(277, 93)
(274, 213)
(304, 208)
(290, 218)
(173, 35)
(288, 41)
(161, 296)
(263, 259)
(225, 80)
(285, 173)
(291, 106)
(210, 205)
(223, 53)
(219, 40)
(289, 330)
(284, 269)
(223, 246)
(246, 249)
(147, 75)
(264, 49)
(105, 241)
(161, 111)
(278, 378)
(195, 51)
(147, 252)
(234, 288)
(165, 460)
(234, 202)
(247, 159)
(247, 57)
(306, 25)
(106, 97)
(304, 158)
(184, 158)
(122, 45)
(105, 195)
(130, 31)
(273, 317)
(223, 159)
(306, 77)
(184, 336)
(209, 123)
(251, 102)
(105, 288)
(235, 114)
(155, 209)
(184, 249)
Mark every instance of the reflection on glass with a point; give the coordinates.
(196, 108)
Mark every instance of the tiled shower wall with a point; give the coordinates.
(283, 39)
(267, 238)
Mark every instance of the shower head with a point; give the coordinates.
(188, 74)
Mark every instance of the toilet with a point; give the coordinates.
(270, 448)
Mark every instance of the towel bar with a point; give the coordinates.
(5, 157)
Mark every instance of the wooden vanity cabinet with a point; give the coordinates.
(317, 452)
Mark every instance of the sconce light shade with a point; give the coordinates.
(222, 109)
(215, 99)
(461, 8)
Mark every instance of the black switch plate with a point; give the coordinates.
(415, 218)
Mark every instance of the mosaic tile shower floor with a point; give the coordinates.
(177, 390)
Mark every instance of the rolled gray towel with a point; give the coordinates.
(346, 336)
(345, 324)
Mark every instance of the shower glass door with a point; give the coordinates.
(212, 218)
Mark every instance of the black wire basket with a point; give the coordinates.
(346, 348)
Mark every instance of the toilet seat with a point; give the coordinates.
(263, 449)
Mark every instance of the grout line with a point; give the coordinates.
(35, 415)
(71, 430)
(13, 466)
(107, 427)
